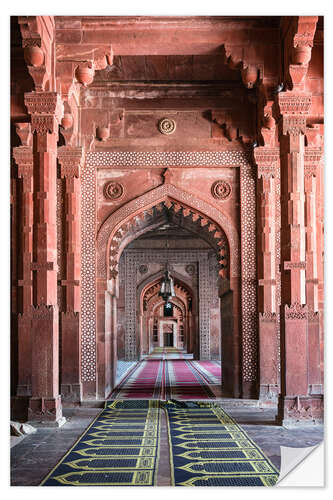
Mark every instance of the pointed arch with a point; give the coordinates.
(134, 208)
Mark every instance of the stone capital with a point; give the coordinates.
(24, 160)
(296, 311)
(291, 103)
(293, 125)
(70, 160)
(46, 110)
(266, 160)
(267, 317)
(23, 130)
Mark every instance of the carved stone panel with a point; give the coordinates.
(249, 273)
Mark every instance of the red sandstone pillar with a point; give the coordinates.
(107, 297)
(45, 109)
(315, 385)
(266, 160)
(230, 336)
(70, 160)
(24, 160)
(296, 403)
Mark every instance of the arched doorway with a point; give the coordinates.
(114, 240)
(171, 324)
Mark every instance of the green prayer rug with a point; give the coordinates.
(208, 448)
(120, 448)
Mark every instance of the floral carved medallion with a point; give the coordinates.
(143, 269)
(166, 126)
(221, 190)
(113, 190)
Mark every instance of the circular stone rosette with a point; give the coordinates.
(166, 126)
(113, 190)
(143, 269)
(190, 269)
(221, 190)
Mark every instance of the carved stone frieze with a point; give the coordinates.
(156, 159)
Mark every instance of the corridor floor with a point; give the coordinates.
(34, 457)
(182, 379)
(158, 378)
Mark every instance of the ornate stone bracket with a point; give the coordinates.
(298, 43)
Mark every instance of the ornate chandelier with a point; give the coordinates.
(167, 287)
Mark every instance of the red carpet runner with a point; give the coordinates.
(172, 379)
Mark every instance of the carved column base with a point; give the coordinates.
(23, 390)
(268, 388)
(19, 408)
(300, 410)
(46, 411)
(89, 391)
(250, 390)
(71, 392)
(70, 366)
(268, 395)
(24, 354)
(315, 389)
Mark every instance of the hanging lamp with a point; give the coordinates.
(167, 286)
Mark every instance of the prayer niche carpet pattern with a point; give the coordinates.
(172, 379)
(120, 448)
(208, 448)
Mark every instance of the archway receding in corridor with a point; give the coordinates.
(118, 264)
(166, 324)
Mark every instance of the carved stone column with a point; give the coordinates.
(45, 109)
(24, 160)
(70, 160)
(296, 404)
(266, 160)
(312, 159)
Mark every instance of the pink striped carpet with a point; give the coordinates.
(171, 379)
